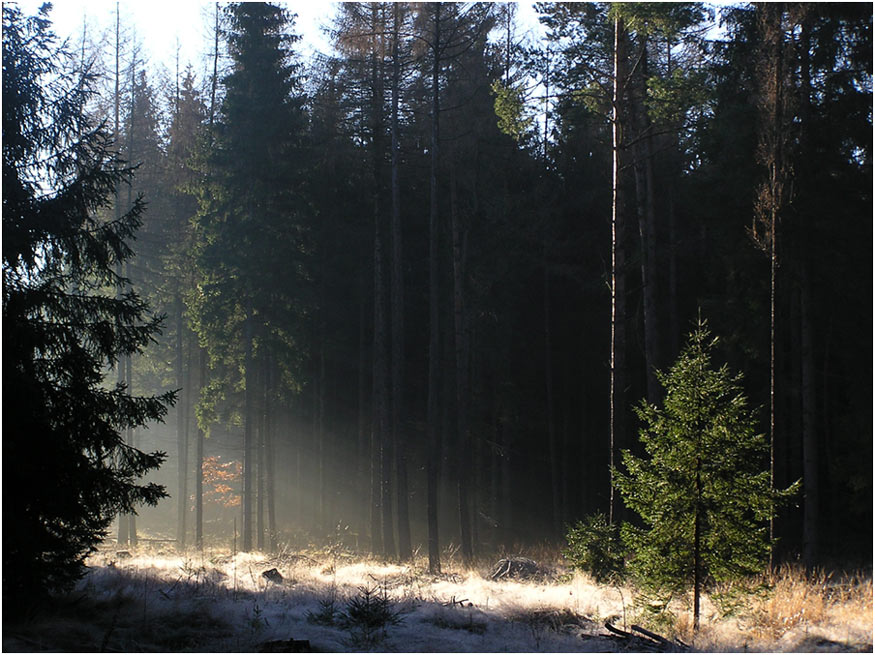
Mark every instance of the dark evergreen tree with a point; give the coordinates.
(67, 469)
(252, 218)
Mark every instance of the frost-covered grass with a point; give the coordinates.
(158, 600)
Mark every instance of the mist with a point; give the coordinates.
(447, 304)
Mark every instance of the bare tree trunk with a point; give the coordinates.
(810, 477)
(317, 511)
(810, 459)
(463, 445)
(381, 422)
(199, 465)
(129, 375)
(260, 464)
(548, 384)
(371, 500)
(434, 562)
(182, 446)
(123, 522)
(383, 440)
(618, 273)
(270, 455)
(322, 437)
(697, 547)
(673, 308)
(397, 300)
(248, 427)
(646, 225)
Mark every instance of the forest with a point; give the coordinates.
(443, 293)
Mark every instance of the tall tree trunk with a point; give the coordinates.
(322, 440)
(199, 464)
(381, 396)
(463, 445)
(434, 562)
(317, 511)
(618, 273)
(182, 446)
(371, 502)
(128, 364)
(673, 308)
(270, 455)
(548, 385)
(248, 428)
(260, 461)
(381, 422)
(772, 19)
(810, 477)
(810, 459)
(697, 547)
(129, 377)
(123, 521)
(646, 224)
(397, 300)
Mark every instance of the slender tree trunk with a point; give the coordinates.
(463, 445)
(673, 308)
(123, 522)
(129, 375)
(182, 446)
(383, 441)
(381, 423)
(697, 547)
(810, 477)
(548, 384)
(810, 459)
(248, 437)
(214, 80)
(771, 196)
(199, 465)
(371, 500)
(128, 365)
(618, 273)
(646, 226)
(270, 452)
(260, 461)
(773, 274)
(397, 299)
(434, 562)
(318, 473)
(322, 437)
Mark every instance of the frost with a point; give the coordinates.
(216, 602)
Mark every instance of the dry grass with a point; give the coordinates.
(196, 600)
(791, 610)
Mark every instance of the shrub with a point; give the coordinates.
(594, 547)
(367, 616)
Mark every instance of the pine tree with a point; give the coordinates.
(67, 469)
(703, 492)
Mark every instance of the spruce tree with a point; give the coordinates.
(703, 491)
(253, 224)
(67, 469)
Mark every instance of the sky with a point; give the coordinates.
(160, 24)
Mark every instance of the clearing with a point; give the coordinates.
(154, 599)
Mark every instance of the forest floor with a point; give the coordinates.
(152, 599)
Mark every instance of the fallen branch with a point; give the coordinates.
(647, 638)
